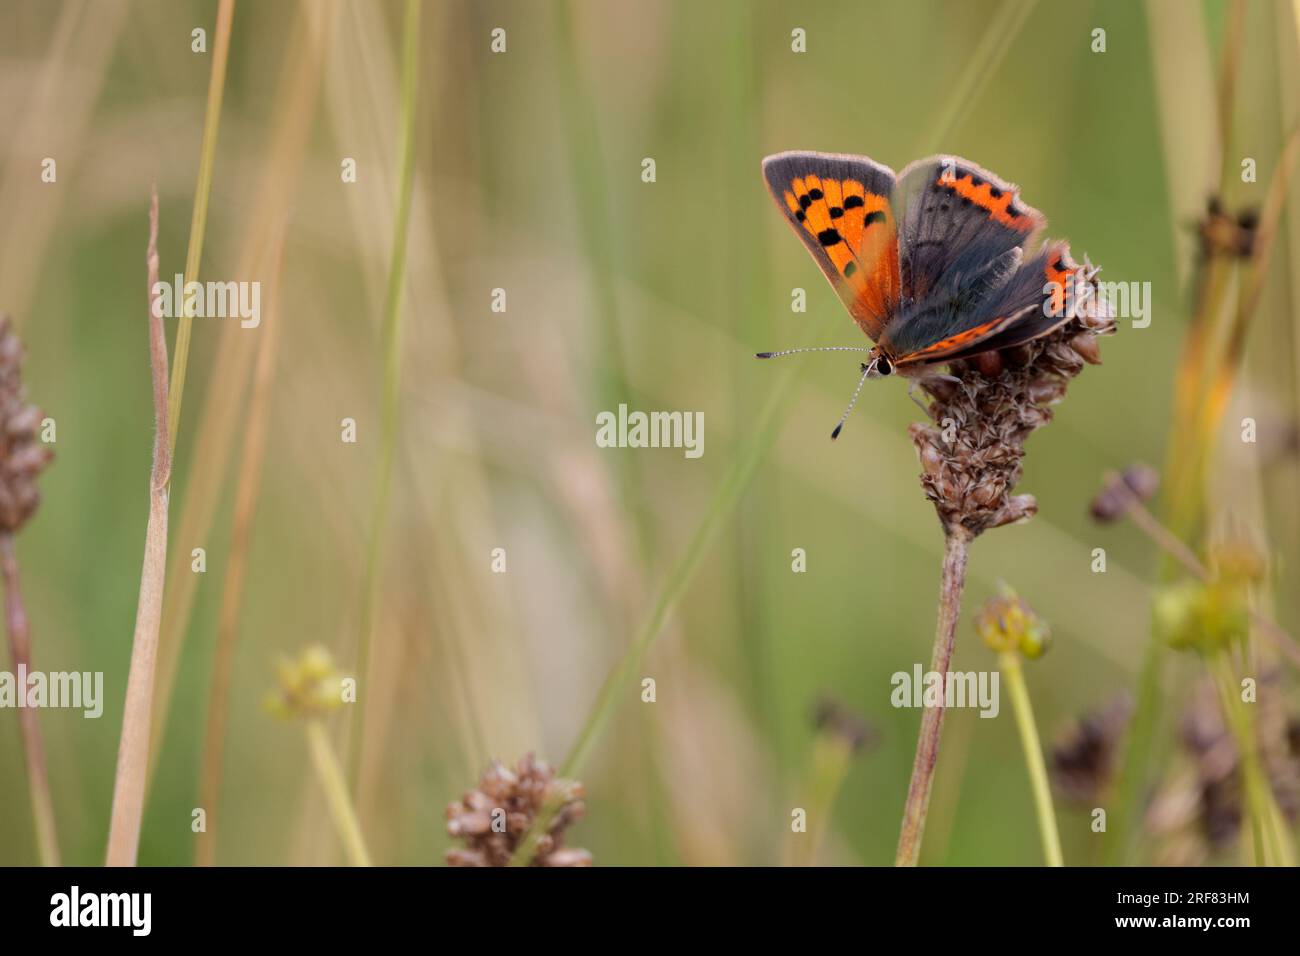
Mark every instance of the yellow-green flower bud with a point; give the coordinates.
(1006, 623)
(309, 685)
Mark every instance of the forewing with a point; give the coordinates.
(840, 207)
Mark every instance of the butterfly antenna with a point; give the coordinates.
(825, 348)
(866, 370)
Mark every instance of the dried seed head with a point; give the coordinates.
(22, 456)
(493, 818)
(1224, 235)
(1082, 761)
(1135, 483)
(1198, 810)
(835, 720)
(971, 456)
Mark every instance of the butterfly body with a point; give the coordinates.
(931, 263)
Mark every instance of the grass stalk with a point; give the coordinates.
(232, 363)
(133, 747)
(625, 670)
(20, 651)
(1204, 385)
(733, 484)
(248, 490)
(953, 578)
(199, 216)
(1014, 673)
(1270, 839)
(831, 757)
(392, 335)
(330, 774)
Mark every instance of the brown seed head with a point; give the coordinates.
(1136, 483)
(493, 818)
(22, 456)
(971, 456)
(1082, 760)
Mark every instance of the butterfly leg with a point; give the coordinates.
(912, 386)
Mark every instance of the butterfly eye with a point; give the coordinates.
(884, 366)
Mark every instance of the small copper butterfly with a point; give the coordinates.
(930, 263)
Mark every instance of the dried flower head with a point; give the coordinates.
(493, 818)
(310, 685)
(971, 457)
(1007, 623)
(835, 720)
(22, 456)
(1083, 757)
(1198, 811)
(1136, 483)
(1222, 234)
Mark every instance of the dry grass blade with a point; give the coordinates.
(247, 493)
(133, 747)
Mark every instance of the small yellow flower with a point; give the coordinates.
(1006, 623)
(309, 685)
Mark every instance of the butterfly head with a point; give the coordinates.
(878, 364)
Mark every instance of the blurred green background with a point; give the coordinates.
(528, 179)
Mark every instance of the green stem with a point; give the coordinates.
(831, 757)
(612, 693)
(331, 779)
(392, 333)
(1015, 677)
(199, 217)
(1271, 842)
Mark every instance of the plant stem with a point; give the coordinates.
(20, 649)
(246, 496)
(1272, 843)
(1169, 542)
(199, 217)
(133, 747)
(831, 757)
(953, 579)
(332, 782)
(392, 333)
(1015, 675)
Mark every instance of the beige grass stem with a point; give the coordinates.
(133, 747)
(248, 491)
(392, 376)
(953, 579)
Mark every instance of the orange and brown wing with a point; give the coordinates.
(840, 207)
(956, 219)
(1034, 301)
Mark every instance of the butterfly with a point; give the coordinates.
(930, 263)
